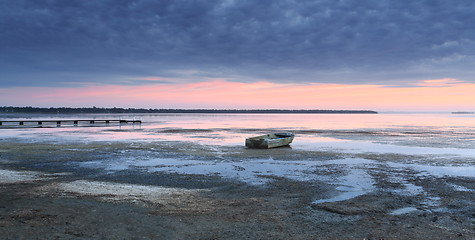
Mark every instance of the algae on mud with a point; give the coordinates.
(220, 203)
(191, 177)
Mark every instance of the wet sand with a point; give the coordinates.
(49, 191)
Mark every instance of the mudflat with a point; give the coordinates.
(75, 191)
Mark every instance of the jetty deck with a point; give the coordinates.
(73, 122)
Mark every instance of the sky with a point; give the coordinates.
(382, 55)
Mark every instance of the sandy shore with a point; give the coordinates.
(48, 191)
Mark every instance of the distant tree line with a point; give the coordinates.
(66, 110)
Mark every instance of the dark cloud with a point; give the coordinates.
(47, 43)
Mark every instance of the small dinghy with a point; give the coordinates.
(271, 140)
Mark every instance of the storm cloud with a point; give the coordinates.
(58, 43)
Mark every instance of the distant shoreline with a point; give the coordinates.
(463, 112)
(67, 110)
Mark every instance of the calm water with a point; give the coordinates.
(213, 144)
(437, 131)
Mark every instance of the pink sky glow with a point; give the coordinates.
(426, 95)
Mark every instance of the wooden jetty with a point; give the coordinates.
(39, 123)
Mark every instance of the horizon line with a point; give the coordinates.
(94, 109)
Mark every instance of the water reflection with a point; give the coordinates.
(423, 130)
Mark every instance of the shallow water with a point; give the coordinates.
(360, 147)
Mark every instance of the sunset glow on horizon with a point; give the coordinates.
(428, 95)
